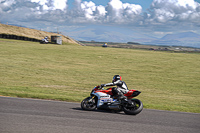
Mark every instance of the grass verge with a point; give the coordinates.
(168, 81)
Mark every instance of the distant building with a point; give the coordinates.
(56, 39)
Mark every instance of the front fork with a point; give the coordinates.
(91, 99)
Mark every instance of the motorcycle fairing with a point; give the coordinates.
(132, 93)
(102, 98)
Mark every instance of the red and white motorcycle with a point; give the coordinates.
(104, 99)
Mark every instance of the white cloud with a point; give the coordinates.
(163, 13)
(88, 9)
(61, 4)
(115, 11)
(100, 10)
(115, 8)
(41, 2)
(51, 4)
(177, 11)
(122, 12)
(84, 12)
(5, 5)
(7, 2)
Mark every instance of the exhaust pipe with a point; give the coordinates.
(114, 107)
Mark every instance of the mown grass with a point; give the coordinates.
(168, 81)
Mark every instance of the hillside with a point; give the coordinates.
(31, 33)
(189, 39)
(191, 36)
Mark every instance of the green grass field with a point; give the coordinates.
(168, 81)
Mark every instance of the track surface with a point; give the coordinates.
(19, 115)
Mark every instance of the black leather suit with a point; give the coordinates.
(120, 89)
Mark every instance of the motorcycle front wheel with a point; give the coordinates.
(88, 104)
(133, 108)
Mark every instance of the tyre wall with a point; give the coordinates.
(8, 36)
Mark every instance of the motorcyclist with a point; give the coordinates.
(121, 88)
(46, 39)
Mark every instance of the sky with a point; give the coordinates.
(105, 20)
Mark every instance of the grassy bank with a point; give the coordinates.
(31, 33)
(168, 81)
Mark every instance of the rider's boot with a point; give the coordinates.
(121, 96)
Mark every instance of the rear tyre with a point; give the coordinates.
(133, 108)
(89, 104)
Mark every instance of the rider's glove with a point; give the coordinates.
(102, 85)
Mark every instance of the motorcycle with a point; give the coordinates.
(101, 98)
(44, 41)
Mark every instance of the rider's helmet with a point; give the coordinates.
(116, 78)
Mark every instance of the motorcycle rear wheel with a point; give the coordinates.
(133, 109)
(88, 104)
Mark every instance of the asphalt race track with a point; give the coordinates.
(19, 115)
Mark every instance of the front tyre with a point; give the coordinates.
(89, 104)
(133, 107)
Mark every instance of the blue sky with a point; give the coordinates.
(105, 20)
